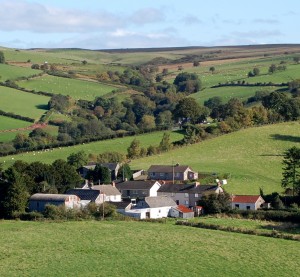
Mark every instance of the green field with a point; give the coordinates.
(11, 123)
(22, 103)
(120, 145)
(226, 93)
(9, 136)
(77, 89)
(9, 72)
(110, 248)
(251, 156)
(249, 224)
(238, 71)
(36, 56)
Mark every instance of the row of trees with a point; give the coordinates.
(22, 179)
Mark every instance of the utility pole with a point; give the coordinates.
(173, 172)
(103, 206)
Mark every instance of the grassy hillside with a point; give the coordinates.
(251, 156)
(77, 89)
(11, 123)
(139, 249)
(22, 103)
(120, 145)
(11, 72)
(226, 93)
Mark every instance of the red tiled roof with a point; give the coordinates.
(184, 209)
(245, 198)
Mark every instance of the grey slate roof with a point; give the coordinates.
(160, 201)
(49, 197)
(168, 168)
(135, 185)
(85, 194)
(107, 189)
(110, 166)
(186, 188)
(120, 205)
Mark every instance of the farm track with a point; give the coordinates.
(31, 127)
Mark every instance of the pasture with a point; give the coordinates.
(35, 56)
(237, 70)
(226, 93)
(12, 123)
(250, 224)
(116, 248)
(11, 72)
(252, 157)
(119, 145)
(22, 103)
(77, 89)
(9, 136)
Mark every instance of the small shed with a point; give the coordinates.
(247, 202)
(181, 211)
(38, 201)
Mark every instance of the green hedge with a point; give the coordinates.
(274, 215)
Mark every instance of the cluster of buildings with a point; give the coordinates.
(164, 191)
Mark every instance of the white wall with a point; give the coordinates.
(159, 212)
(243, 206)
(113, 198)
(154, 189)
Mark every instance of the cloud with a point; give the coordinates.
(246, 38)
(191, 20)
(145, 16)
(124, 39)
(266, 21)
(258, 34)
(25, 16)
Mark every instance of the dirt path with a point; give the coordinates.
(31, 127)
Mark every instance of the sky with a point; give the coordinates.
(111, 24)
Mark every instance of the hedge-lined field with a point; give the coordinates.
(22, 103)
(119, 145)
(252, 157)
(226, 93)
(11, 123)
(110, 248)
(77, 89)
(10, 72)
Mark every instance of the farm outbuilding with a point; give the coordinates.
(247, 202)
(181, 211)
(38, 201)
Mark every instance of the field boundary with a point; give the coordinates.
(232, 229)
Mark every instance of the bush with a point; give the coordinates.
(270, 215)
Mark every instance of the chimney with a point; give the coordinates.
(113, 184)
(197, 184)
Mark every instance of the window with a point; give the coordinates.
(158, 211)
(237, 206)
(161, 174)
(196, 195)
(186, 195)
(248, 207)
(177, 174)
(186, 202)
(177, 202)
